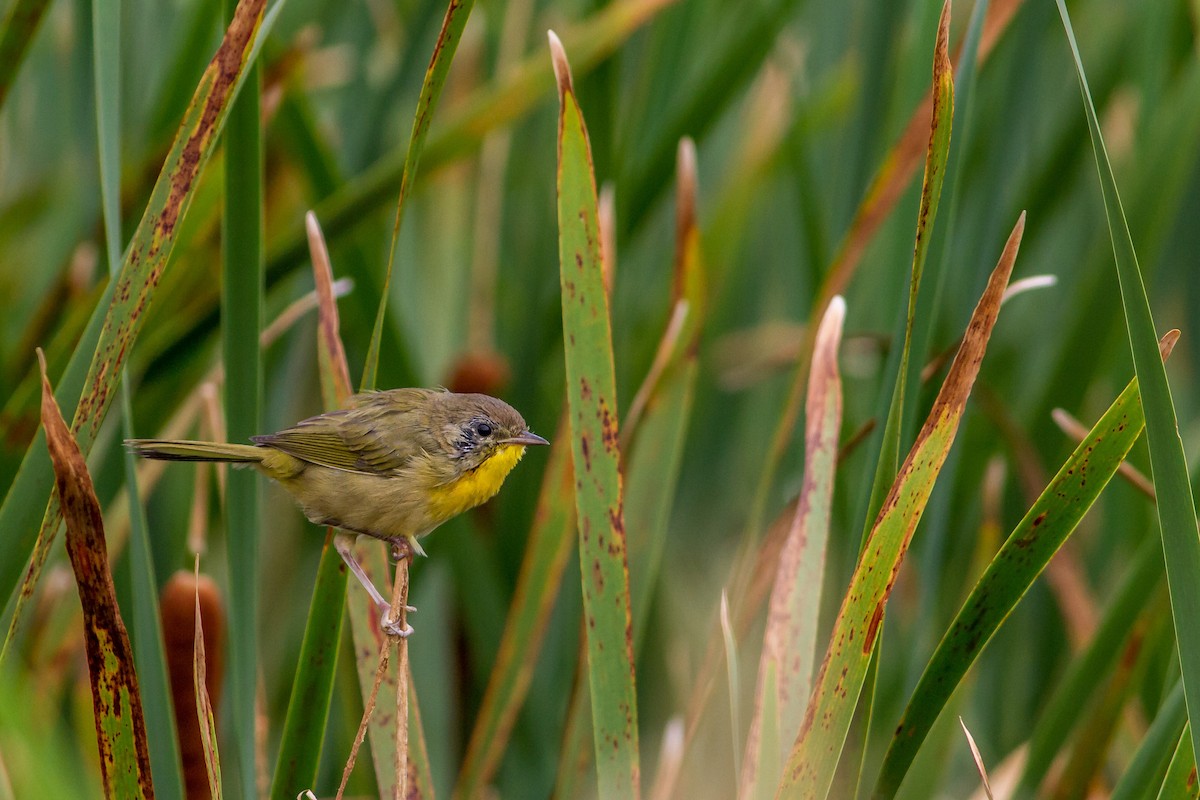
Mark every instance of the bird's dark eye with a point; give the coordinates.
(484, 429)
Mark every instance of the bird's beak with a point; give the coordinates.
(526, 438)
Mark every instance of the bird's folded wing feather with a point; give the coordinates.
(357, 440)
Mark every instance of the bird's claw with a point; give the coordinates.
(394, 628)
(405, 548)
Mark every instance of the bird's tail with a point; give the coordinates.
(177, 450)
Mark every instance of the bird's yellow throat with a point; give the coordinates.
(477, 486)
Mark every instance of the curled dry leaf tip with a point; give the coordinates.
(943, 40)
(562, 68)
(837, 308)
(830, 331)
(1167, 343)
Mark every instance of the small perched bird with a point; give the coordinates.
(393, 465)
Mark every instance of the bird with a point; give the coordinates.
(392, 464)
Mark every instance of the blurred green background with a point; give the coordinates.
(794, 107)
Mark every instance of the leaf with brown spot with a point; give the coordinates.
(810, 768)
(598, 495)
(116, 701)
(651, 441)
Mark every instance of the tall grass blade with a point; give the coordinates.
(928, 130)
(657, 421)
(148, 645)
(937, 153)
(941, 251)
(431, 90)
(592, 403)
(809, 770)
(241, 322)
(1176, 507)
(316, 667)
(653, 434)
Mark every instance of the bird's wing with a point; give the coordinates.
(362, 438)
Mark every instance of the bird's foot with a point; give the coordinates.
(405, 548)
(394, 628)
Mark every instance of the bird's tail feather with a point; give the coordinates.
(177, 450)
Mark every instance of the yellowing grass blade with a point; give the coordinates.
(786, 664)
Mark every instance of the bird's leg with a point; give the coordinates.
(343, 543)
(401, 548)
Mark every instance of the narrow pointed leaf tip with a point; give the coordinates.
(941, 62)
(562, 68)
(327, 303)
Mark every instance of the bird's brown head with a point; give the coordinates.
(478, 426)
